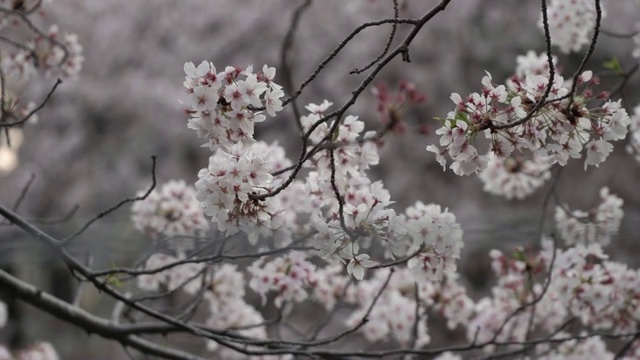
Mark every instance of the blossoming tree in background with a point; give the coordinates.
(315, 228)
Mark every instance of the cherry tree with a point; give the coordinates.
(263, 233)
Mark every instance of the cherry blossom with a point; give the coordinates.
(194, 72)
(357, 265)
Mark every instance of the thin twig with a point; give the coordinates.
(118, 205)
(394, 28)
(287, 45)
(23, 193)
(35, 110)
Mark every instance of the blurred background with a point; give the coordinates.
(93, 143)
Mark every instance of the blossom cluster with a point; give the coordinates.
(354, 152)
(288, 276)
(171, 210)
(562, 128)
(596, 226)
(58, 54)
(225, 187)
(570, 23)
(518, 176)
(223, 105)
(514, 177)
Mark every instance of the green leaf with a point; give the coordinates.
(335, 134)
(613, 65)
(114, 281)
(462, 116)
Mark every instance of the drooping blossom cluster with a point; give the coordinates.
(225, 187)
(514, 177)
(171, 210)
(564, 127)
(596, 226)
(223, 105)
(365, 211)
(570, 23)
